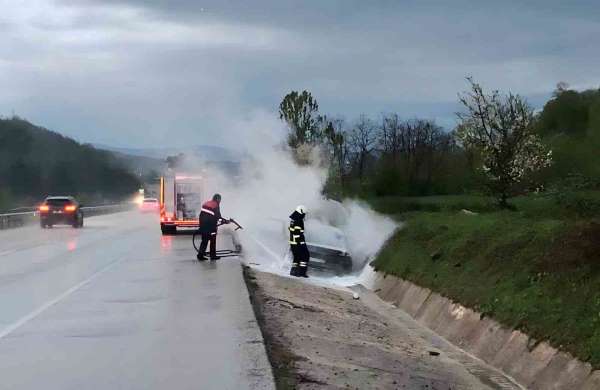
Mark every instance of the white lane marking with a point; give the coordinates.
(23, 320)
(266, 248)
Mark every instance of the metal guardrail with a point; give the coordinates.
(107, 209)
(12, 220)
(21, 210)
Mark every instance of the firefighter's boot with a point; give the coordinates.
(294, 271)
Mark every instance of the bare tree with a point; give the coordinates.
(362, 143)
(337, 142)
(390, 136)
(422, 144)
(414, 148)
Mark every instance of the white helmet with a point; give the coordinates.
(301, 209)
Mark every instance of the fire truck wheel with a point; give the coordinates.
(168, 230)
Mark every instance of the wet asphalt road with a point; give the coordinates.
(117, 306)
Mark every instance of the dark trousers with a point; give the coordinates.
(300, 261)
(206, 238)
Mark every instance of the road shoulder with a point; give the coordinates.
(319, 337)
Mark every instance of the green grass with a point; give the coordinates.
(536, 269)
(397, 204)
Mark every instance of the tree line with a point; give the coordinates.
(499, 146)
(35, 162)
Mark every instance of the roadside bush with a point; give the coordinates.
(387, 182)
(400, 204)
(583, 204)
(576, 182)
(576, 195)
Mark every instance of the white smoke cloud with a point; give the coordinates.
(272, 185)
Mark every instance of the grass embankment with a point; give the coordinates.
(536, 269)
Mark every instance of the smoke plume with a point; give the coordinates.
(270, 185)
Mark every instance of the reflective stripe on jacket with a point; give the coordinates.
(297, 232)
(210, 214)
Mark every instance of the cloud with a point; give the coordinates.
(173, 72)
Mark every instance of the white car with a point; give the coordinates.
(149, 205)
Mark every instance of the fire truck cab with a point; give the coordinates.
(180, 200)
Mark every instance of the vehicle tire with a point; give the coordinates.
(42, 224)
(168, 230)
(78, 222)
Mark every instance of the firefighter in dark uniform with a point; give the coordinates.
(298, 243)
(210, 215)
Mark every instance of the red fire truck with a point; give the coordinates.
(180, 200)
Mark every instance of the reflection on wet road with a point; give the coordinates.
(116, 305)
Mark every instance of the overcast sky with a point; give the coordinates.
(175, 72)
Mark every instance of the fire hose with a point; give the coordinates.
(197, 237)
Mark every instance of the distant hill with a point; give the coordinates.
(204, 153)
(147, 168)
(35, 162)
(147, 162)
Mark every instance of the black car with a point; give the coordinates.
(329, 260)
(328, 248)
(56, 210)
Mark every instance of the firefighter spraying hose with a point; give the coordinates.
(209, 220)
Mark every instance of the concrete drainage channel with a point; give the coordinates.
(18, 219)
(536, 365)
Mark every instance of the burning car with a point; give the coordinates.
(328, 248)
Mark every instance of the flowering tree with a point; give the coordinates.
(500, 127)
